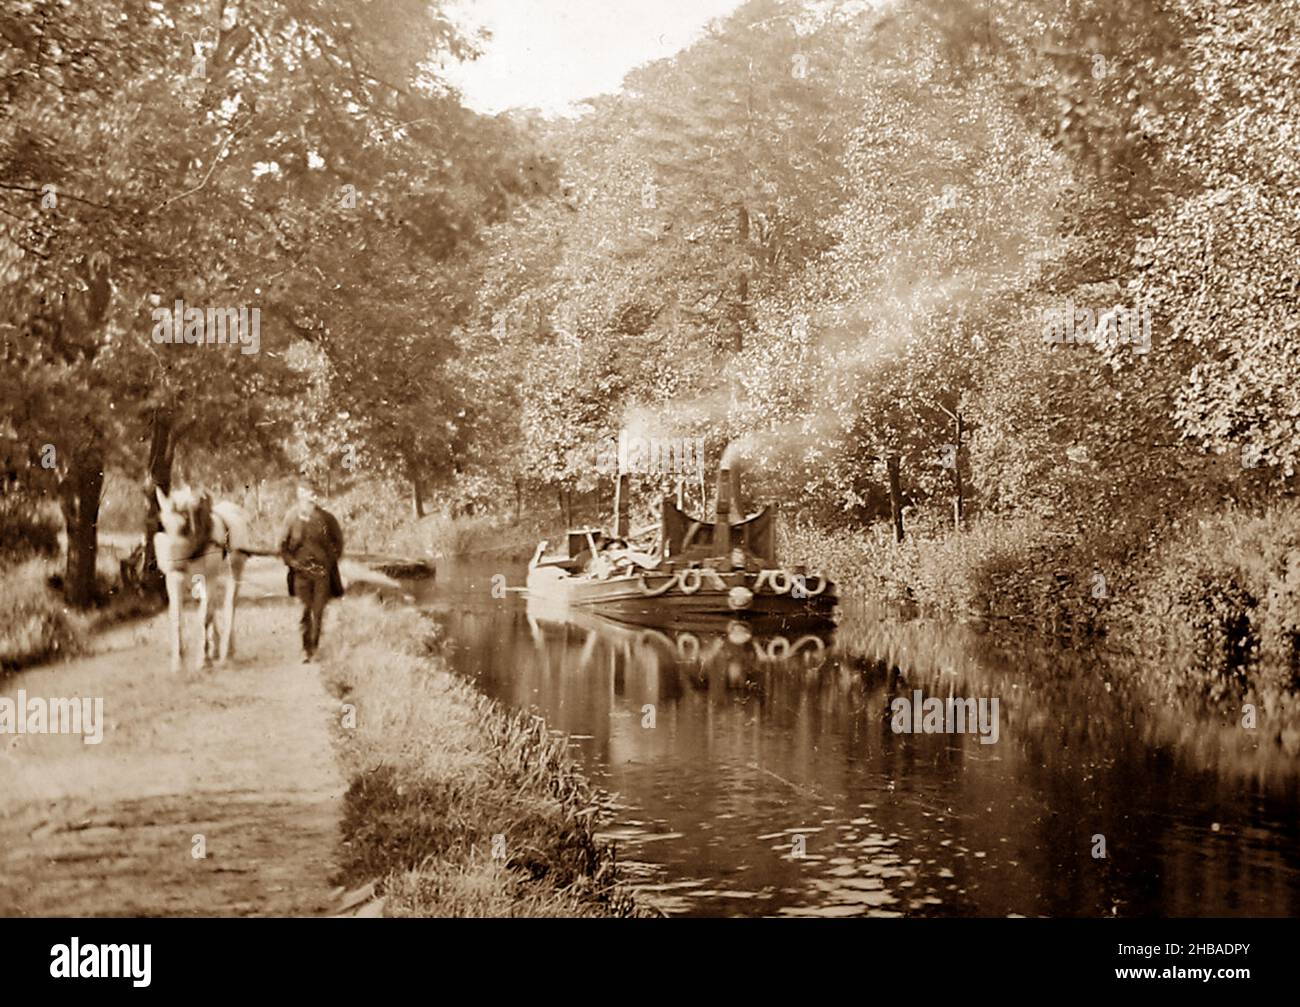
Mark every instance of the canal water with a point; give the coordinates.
(762, 776)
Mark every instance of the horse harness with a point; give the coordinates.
(207, 544)
(210, 545)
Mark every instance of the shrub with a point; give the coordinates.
(1226, 591)
(1019, 571)
(35, 624)
(27, 530)
(123, 505)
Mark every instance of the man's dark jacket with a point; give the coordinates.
(311, 544)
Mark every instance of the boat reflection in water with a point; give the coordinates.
(681, 723)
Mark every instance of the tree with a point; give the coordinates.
(309, 137)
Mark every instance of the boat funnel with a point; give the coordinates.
(621, 504)
(728, 503)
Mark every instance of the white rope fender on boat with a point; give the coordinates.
(770, 578)
(740, 597)
(821, 586)
(782, 582)
(654, 592)
(817, 642)
(691, 579)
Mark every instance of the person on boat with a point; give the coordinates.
(311, 544)
(584, 556)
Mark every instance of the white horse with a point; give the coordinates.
(203, 547)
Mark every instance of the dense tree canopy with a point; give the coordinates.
(839, 233)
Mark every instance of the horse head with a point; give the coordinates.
(186, 515)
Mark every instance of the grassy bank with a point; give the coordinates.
(1224, 591)
(37, 625)
(1216, 597)
(456, 807)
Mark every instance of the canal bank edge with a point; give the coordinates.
(455, 807)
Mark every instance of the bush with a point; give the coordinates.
(1226, 591)
(27, 530)
(1019, 571)
(35, 624)
(123, 505)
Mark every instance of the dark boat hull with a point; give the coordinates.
(662, 599)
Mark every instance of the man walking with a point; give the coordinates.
(311, 543)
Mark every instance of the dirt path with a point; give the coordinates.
(241, 757)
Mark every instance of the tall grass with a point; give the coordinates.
(378, 520)
(35, 623)
(1216, 599)
(376, 517)
(1225, 591)
(28, 529)
(457, 807)
(1020, 572)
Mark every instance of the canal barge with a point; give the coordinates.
(695, 569)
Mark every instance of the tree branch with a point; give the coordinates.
(59, 195)
(211, 168)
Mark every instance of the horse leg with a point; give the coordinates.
(175, 585)
(228, 621)
(205, 620)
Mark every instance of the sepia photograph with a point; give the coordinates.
(648, 460)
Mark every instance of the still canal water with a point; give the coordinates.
(772, 783)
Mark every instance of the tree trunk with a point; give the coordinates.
(958, 504)
(568, 507)
(742, 286)
(892, 464)
(417, 490)
(519, 499)
(162, 451)
(80, 489)
(79, 497)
